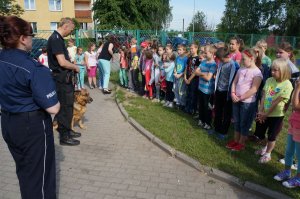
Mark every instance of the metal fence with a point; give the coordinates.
(123, 37)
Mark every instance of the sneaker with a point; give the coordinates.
(284, 175)
(292, 183)
(200, 123)
(294, 165)
(231, 144)
(170, 105)
(238, 147)
(264, 159)
(167, 103)
(206, 126)
(261, 151)
(282, 161)
(100, 88)
(162, 101)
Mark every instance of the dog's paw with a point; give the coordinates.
(83, 127)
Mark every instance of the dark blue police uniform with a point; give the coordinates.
(64, 83)
(26, 90)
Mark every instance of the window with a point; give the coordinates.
(55, 5)
(34, 27)
(29, 4)
(53, 25)
(83, 26)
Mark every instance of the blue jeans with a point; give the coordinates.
(100, 75)
(105, 67)
(80, 77)
(291, 148)
(180, 91)
(243, 116)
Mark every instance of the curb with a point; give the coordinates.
(212, 172)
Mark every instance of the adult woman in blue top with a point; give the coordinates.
(27, 98)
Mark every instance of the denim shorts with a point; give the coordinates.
(243, 115)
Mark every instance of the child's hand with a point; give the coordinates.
(235, 98)
(186, 81)
(143, 72)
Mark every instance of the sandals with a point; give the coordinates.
(261, 151)
(264, 159)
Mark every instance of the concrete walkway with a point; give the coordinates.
(115, 161)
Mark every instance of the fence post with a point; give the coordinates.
(191, 37)
(138, 38)
(77, 37)
(163, 38)
(294, 42)
(251, 40)
(276, 40)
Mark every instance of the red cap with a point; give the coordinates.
(144, 44)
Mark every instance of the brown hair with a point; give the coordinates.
(11, 29)
(182, 46)
(78, 48)
(223, 52)
(173, 57)
(169, 46)
(239, 41)
(148, 54)
(287, 47)
(90, 45)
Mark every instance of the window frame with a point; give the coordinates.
(31, 7)
(51, 23)
(55, 5)
(34, 27)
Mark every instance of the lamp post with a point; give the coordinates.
(193, 18)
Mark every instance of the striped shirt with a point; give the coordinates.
(207, 87)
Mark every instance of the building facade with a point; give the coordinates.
(45, 14)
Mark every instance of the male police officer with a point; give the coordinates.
(63, 73)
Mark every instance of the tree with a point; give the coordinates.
(199, 21)
(9, 7)
(241, 16)
(132, 14)
(261, 16)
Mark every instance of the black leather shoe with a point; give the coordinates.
(74, 134)
(68, 141)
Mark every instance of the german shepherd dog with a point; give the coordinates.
(81, 99)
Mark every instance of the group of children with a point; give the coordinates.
(219, 84)
(225, 84)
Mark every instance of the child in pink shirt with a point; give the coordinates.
(293, 143)
(235, 45)
(243, 94)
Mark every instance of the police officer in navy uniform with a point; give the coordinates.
(63, 72)
(27, 98)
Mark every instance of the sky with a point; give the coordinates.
(213, 9)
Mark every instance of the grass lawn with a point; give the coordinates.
(180, 131)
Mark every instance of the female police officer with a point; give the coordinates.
(27, 98)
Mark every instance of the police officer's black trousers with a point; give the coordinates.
(29, 137)
(65, 94)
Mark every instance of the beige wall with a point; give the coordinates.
(43, 16)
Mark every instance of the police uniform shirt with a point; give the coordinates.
(55, 46)
(25, 84)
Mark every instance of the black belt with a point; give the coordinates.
(39, 112)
